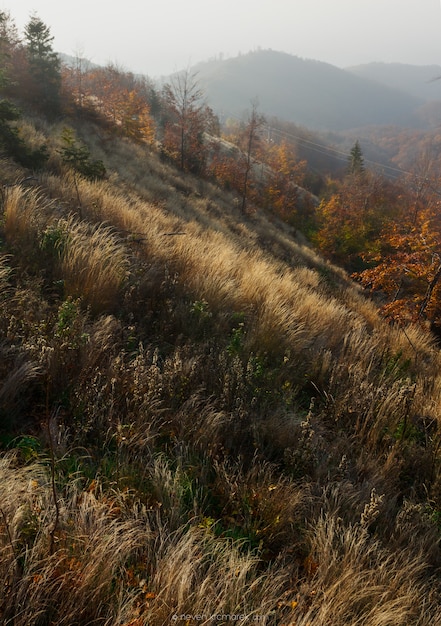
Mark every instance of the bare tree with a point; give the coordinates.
(254, 124)
(188, 110)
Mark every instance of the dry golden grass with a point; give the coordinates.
(231, 427)
(73, 584)
(113, 562)
(5, 272)
(23, 215)
(224, 271)
(289, 309)
(94, 263)
(353, 580)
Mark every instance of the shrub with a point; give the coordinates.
(78, 156)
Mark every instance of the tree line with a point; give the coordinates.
(174, 119)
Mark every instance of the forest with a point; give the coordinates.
(220, 384)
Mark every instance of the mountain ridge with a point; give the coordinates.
(312, 93)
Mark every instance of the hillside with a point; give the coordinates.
(200, 416)
(201, 419)
(310, 93)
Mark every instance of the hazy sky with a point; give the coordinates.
(161, 36)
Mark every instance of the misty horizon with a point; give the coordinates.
(171, 36)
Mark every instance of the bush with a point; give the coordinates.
(78, 156)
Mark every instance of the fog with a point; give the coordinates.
(161, 37)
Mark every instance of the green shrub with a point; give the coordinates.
(78, 156)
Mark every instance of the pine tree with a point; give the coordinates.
(9, 41)
(44, 67)
(11, 143)
(356, 160)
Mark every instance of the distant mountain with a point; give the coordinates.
(417, 80)
(309, 93)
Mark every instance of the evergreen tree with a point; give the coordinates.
(9, 41)
(356, 160)
(44, 67)
(11, 143)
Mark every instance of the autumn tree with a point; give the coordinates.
(9, 43)
(407, 266)
(223, 164)
(44, 67)
(72, 87)
(352, 219)
(267, 173)
(13, 58)
(186, 120)
(283, 174)
(249, 139)
(116, 97)
(8, 111)
(11, 143)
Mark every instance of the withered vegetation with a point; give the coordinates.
(199, 415)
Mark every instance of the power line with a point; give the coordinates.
(333, 152)
(393, 172)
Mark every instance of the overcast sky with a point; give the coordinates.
(157, 37)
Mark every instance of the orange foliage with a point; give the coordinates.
(284, 174)
(352, 219)
(115, 95)
(409, 267)
(225, 166)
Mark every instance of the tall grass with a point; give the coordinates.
(115, 562)
(24, 210)
(209, 420)
(94, 263)
(353, 580)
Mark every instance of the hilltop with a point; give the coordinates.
(311, 93)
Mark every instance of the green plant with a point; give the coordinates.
(29, 446)
(53, 239)
(200, 309)
(237, 336)
(396, 366)
(78, 157)
(67, 315)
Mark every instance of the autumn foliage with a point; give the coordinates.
(388, 235)
(352, 219)
(408, 263)
(117, 96)
(285, 173)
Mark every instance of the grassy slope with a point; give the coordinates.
(201, 416)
